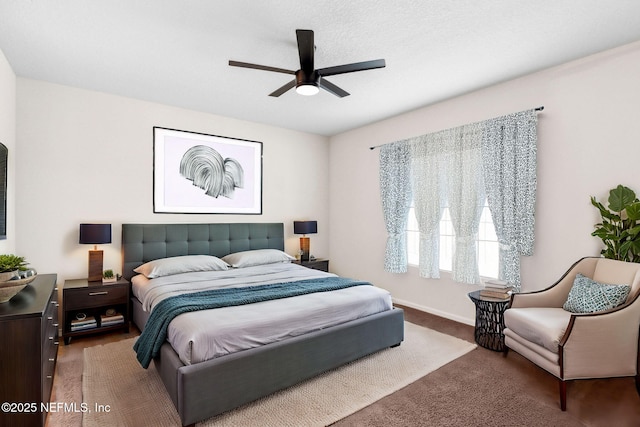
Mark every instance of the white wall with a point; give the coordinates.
(85, 156)
(8, 138)
(588, 142)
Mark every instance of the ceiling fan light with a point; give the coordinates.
(307, 90)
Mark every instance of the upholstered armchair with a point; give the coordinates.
(570, 346)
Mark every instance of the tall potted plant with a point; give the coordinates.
(620, 226)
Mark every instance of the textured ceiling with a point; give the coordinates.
(176, 52)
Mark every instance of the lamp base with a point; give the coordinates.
(95, 266)
(305, 246)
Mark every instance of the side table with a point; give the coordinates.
(489, 321)
(91, 307)
(316, 264)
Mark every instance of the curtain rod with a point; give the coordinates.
(378, 146)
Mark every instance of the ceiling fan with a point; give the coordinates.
(308, 80)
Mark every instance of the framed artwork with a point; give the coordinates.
(4, 152)
(205, 174)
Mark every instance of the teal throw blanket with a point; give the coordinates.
(155, 331)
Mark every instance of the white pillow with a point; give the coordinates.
(181, 264)
(256, 257)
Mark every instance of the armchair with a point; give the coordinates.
(572, 346)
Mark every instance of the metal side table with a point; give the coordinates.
(489, 321)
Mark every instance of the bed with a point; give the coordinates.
(203, 389)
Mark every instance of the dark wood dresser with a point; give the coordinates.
(28, 352)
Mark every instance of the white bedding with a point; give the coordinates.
(202, 335)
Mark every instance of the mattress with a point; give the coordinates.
(203, 335)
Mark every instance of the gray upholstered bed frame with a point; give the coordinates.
(209, 388)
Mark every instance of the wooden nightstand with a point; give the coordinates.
(316, 264)
(87, 307)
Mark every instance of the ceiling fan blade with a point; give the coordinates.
(283, 89)
(350, 68)
(260, 67)
(306, 50)
(331, 88)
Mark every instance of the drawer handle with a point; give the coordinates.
(49, 377)
(51, 359)
(50, 318)
(56, 343)
(51, 338)
(55, 325)
(92, 294)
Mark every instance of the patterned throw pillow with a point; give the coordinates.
(588, 296)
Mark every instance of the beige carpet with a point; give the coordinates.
(136, 397)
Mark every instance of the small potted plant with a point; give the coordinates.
(10, 266)
(108, 276)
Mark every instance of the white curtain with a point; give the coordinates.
(446, 169)
(465, 193)
(395, 192)
(428, 183)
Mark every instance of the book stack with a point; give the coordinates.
(498, 289)
(84, 323)
(110, 320)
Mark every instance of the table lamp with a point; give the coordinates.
(95, 234)
(304, 228)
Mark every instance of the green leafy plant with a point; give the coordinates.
(108, 274)
(620, 226)
(12, 262)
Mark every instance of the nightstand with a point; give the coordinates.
(316, 264)
(94, 307)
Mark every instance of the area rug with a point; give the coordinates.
(118, 391)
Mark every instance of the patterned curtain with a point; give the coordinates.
(509, 162)
(458, 167)
(395, 191)
(465, 194)
(428, 183)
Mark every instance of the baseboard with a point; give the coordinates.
(430, 310)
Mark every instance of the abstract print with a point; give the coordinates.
(207, 169)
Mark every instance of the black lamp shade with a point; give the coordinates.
(95, 234)
(305, 227)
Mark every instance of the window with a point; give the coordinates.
(487, 242)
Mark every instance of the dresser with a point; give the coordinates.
(28, 351)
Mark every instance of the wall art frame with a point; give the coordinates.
(198, 173)
(4, 159)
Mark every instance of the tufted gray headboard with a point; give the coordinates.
(145, 242)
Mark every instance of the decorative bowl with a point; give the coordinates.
(10, 288)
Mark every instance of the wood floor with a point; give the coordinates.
(603, 402)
